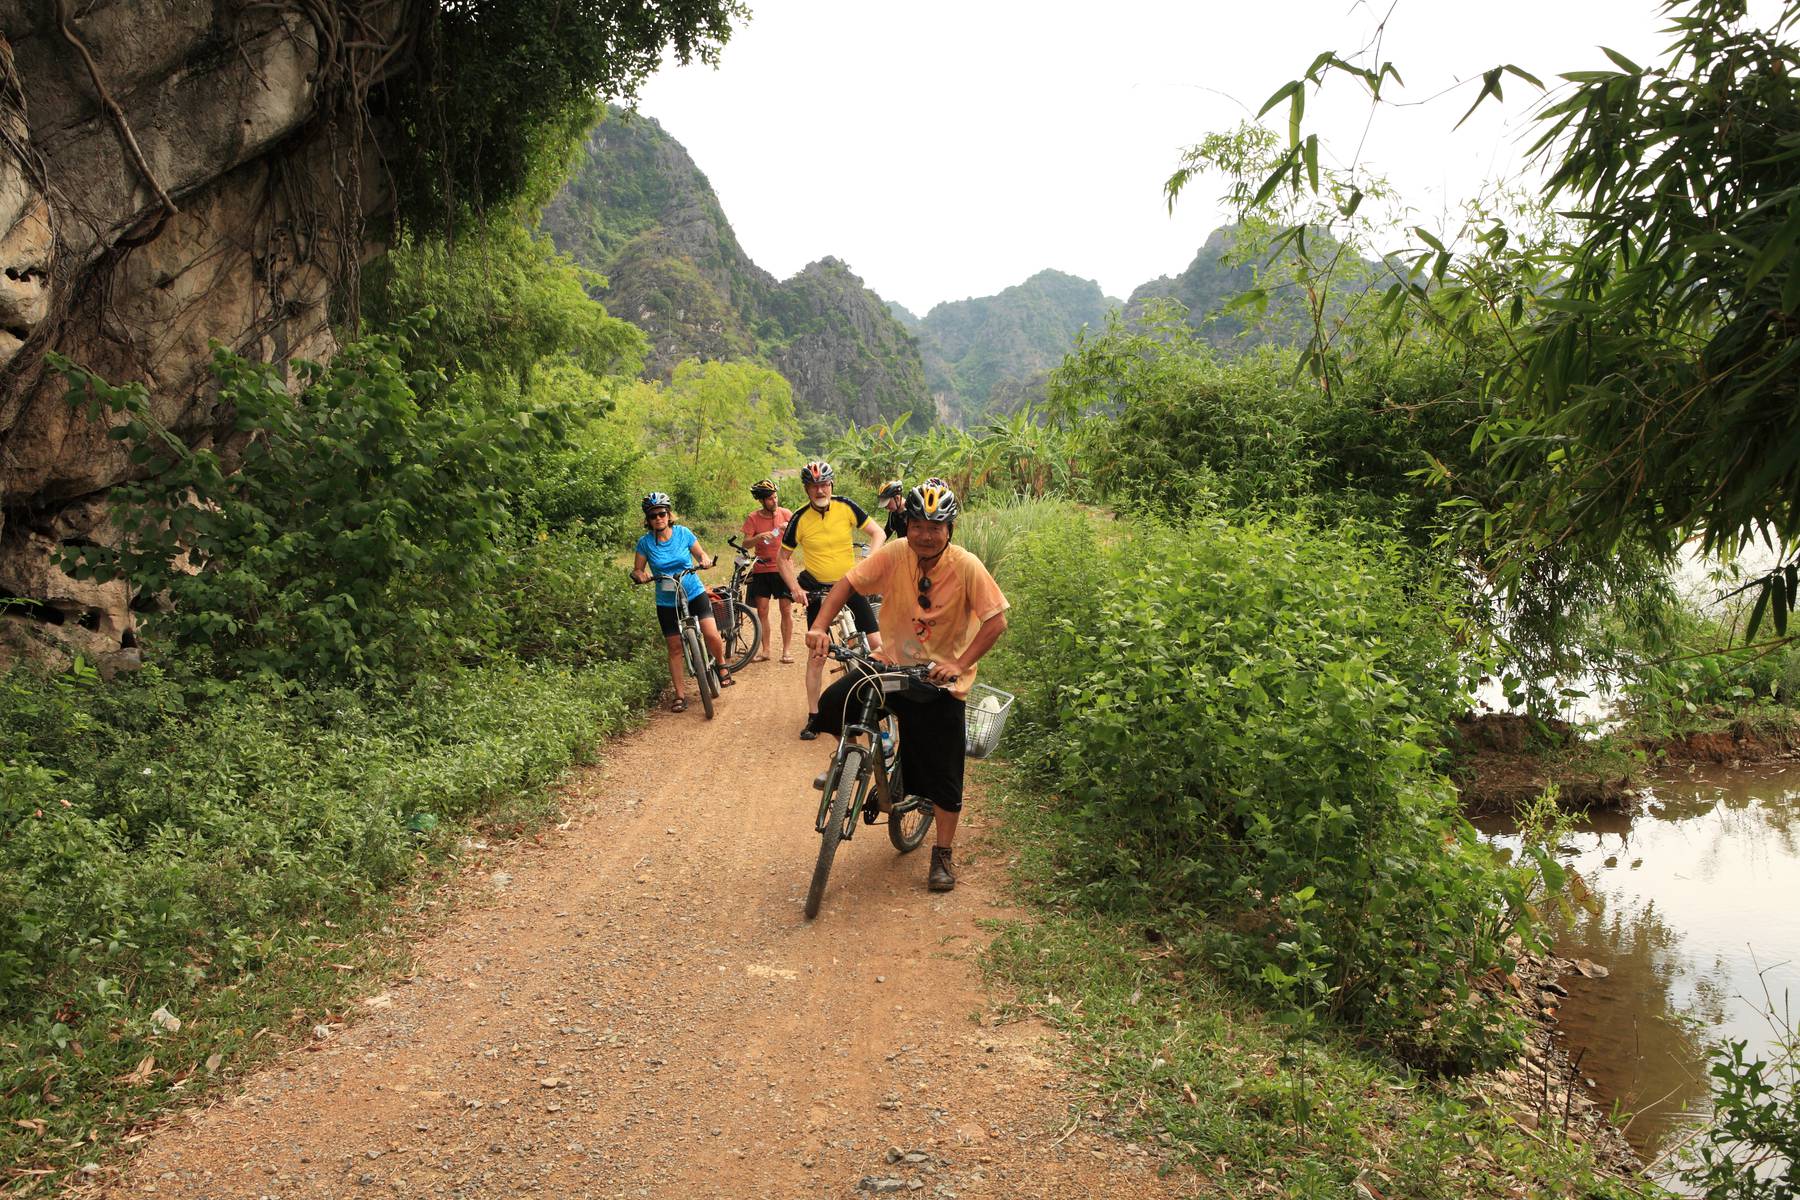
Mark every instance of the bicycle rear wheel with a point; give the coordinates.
(702, 669)
(834, 828)
(743, 634)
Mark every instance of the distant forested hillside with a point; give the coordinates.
(638, 211)
(991, 353)
(1214, 279)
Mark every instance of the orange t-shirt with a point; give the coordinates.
(963, 595)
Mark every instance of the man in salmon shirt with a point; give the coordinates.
(762, 534)
(939, 606)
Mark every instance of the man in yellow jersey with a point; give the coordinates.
(940, 606)
(825, 534)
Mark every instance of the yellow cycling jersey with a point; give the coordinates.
(826, 540)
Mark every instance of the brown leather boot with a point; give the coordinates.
(943, 876)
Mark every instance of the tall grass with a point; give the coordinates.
(993, 531)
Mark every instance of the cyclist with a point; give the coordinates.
(762, 535)
(825, 530)
(893, 498)
(666, 549)
(940, 606)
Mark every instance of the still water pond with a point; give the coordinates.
(1695, 911)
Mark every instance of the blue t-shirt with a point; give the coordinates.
(666, 558)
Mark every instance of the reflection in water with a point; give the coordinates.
(1695, 910)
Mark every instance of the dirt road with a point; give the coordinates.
(640, 1009)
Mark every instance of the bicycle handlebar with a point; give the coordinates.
(919, 673)
(677, 576)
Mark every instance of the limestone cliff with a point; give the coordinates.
(641, 213)
(162, 164)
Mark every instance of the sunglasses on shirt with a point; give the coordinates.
(925, 594)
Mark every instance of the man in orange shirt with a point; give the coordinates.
(939, 606)
(762, 536)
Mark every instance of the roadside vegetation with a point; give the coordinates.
(1257, 1099)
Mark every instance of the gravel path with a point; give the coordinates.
(639, 1009)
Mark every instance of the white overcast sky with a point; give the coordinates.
(951, 148)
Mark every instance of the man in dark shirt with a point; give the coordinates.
(893, 498)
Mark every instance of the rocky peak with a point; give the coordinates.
(639, 211)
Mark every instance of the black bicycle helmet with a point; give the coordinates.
(657, 500)
(891, 489)
(931, 501)
(762, 489)
(816, 472)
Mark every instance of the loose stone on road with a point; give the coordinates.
(637, 1008)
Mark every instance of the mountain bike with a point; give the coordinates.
(865, 768)
(738, 623)
(694, 654)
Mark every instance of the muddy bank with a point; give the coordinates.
(1501, 762)
(1744, 742)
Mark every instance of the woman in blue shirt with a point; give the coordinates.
(666, 549)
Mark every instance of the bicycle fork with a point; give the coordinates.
(874, 772)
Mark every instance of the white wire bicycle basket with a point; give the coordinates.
(985, 710)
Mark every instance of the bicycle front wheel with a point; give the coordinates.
(743, 633)
(702, 669)
(834, 828)
(912, 816)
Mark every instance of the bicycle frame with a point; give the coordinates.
(867, 702)
(683, 618)
(688, 623)
(844, 632)
(743, 563)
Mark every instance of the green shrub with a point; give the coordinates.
(591, 483)
(567, 600)
(162, 833)
(1750, 1149)
(365, 519)
(1237, 718)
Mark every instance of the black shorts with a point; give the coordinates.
(934, 735)
(700, 606)
(769, 583)
(858, 605)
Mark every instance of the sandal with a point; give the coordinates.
(725, 679)
(679, 704)
(787, 658)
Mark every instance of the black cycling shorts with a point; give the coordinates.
(858, 605)
(934, 735)
(769, 583)
(700, 606)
